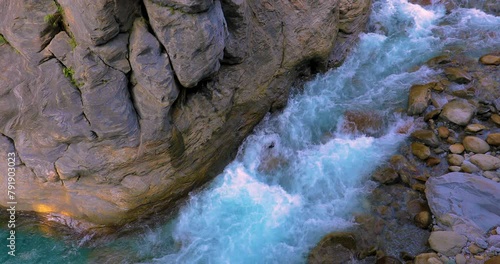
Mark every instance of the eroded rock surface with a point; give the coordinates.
(95, 104)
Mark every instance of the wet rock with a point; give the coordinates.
(457, 148)
(418, 99)
(385, 175)
(363, 122)
(485, 162)
(443, 132)
(388, 260)
(427, 137)
(420, 150)
(493, 139)
(423, 219)
(458, 112)
(447, 243)
(490, 59)
(496, 119)
(183, 41)
(432, 114)
(455, 159)
(474, 128)
(467, 203)
(333, 248)
(457, 75)
(475, 144)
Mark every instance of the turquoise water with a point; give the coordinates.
(299, 176)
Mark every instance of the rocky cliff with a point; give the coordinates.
(116, 109)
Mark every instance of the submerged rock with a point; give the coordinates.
(334, 248)
(457, 75)
(363, 122)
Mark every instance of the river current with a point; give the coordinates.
(299, 176)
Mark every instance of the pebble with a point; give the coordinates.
(443, 132)
(474, 128)
(468, 167)
(454, 168)
(460, 259)
(432, 161)
(457, 148)
(455, 159)
(493, 139)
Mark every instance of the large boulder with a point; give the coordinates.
(458, 112)
(466, 203)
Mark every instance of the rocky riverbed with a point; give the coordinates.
(439, 197)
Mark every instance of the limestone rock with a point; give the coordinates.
(183, 41)
(467, 203)
(427, 137)
(457, 75)
(493, 139)
(114, 53)
(418, 99)
(485, 162)
(475, 144)
(420, 150)
(458, 112)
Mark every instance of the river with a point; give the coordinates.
(299, 176)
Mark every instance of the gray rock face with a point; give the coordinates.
(447, 243)
(97, 111)
(99, 22)
(195, 45)
(29, 34)
(458, 112)
(466, 203)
